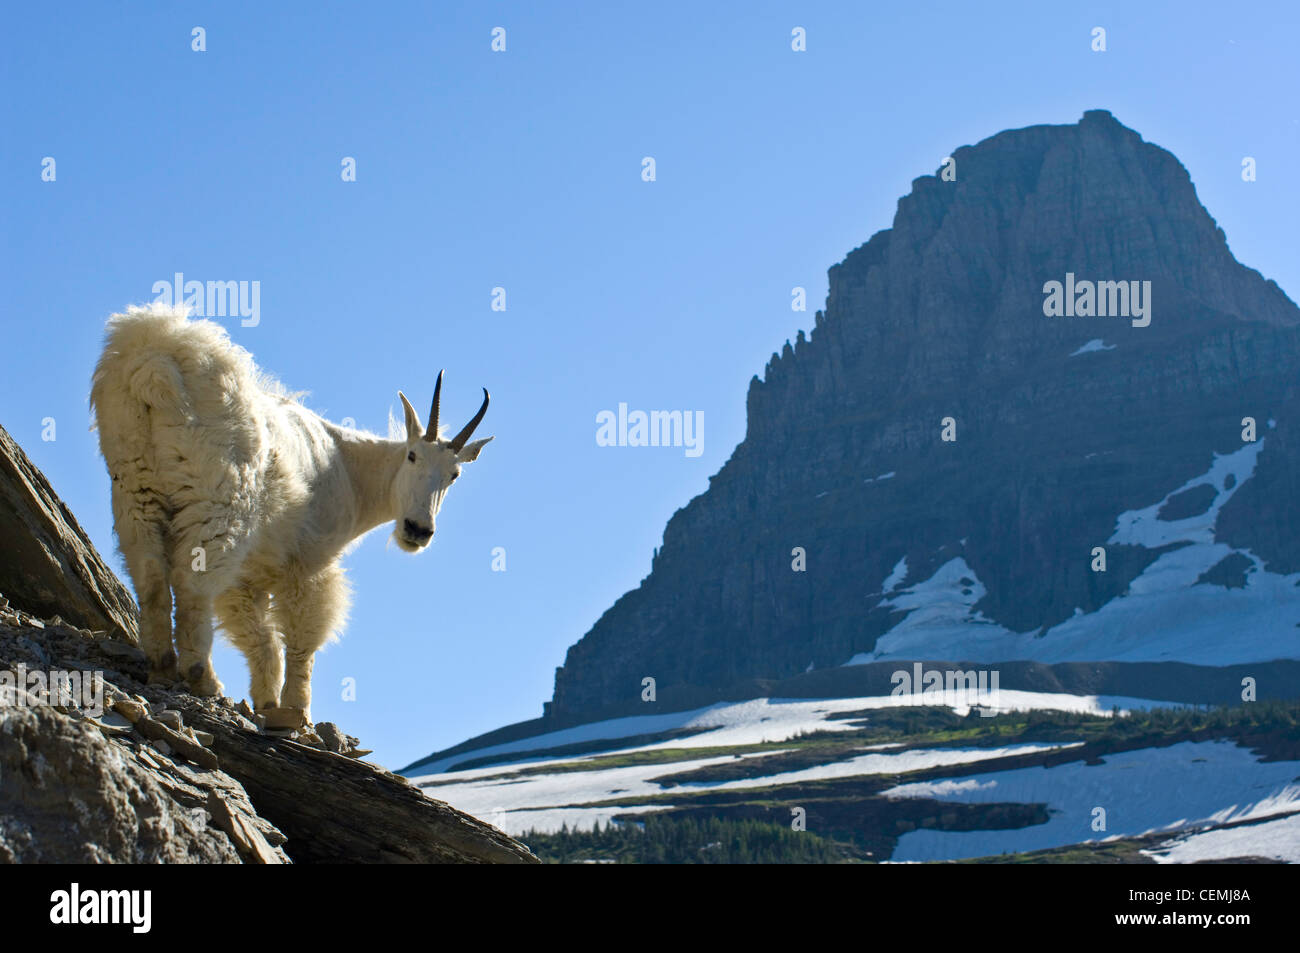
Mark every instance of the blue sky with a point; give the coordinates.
(522, 170)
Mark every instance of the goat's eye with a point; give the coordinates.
(411, 456)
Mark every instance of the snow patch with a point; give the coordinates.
(894, 763)
(1164, 615)
(1144, 527)
(896, 577)
(1096, 344)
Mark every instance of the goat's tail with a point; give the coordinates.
(136, 390)
(137, 370)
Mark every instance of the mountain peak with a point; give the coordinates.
(942, 410)
(1101, 115)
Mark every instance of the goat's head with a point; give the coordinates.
(430, 465)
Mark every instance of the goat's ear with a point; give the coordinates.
(413, 428)
(471, 451)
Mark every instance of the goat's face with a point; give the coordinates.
(429, 467)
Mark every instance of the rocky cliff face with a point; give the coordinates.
(96, 766)
(1070, 433)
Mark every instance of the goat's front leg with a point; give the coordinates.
(245, 613)
(308, 609)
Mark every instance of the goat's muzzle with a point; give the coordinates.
(416, 533)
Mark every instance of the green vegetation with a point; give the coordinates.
(667, 840)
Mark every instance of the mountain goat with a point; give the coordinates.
(231, 495)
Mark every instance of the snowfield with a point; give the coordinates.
(1141, 792)
(522, 795)
(1279, 839)
(518, 801)
(1180, 789)
(512, 803)
(756, 721)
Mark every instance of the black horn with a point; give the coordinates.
(458, 442)
(431, 431)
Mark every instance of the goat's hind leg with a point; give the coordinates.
(194, 633)
(141, 534)
(150, 578)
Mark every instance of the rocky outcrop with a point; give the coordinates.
(98, 766)
(47, 564)
(82, 782)
(942, 316)
(70, 795)
(150, 774)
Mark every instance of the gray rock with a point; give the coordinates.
(132, 710)
(69, 795)
(122, 650)
(48, 565)
(335, 740)
(247, 838)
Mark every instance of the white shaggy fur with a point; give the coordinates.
(233, 496)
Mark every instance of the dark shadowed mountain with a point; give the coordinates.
(1071, 433)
